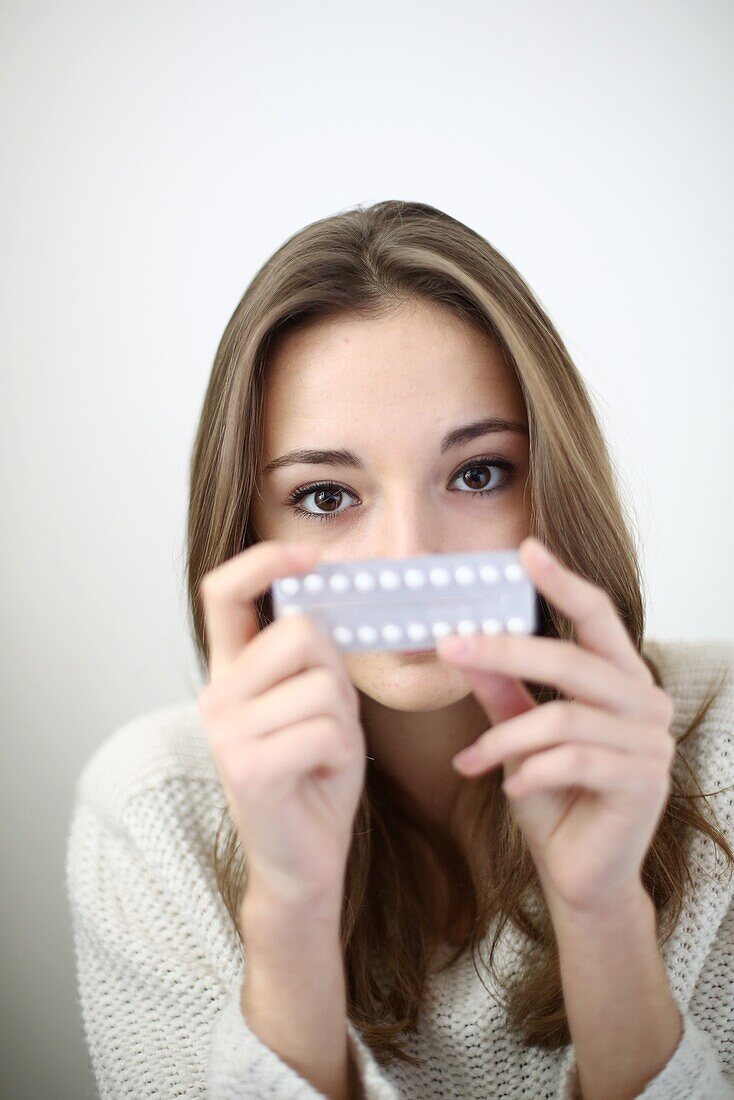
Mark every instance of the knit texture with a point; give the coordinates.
(159, 965)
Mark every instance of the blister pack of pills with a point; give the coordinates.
(409, 603)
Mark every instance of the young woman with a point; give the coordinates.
(389, 386)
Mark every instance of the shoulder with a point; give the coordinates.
(148, 795)
(689, 668)
(690, 671)
(149, 751)
(139, 869)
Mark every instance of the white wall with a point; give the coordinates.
(154, 155)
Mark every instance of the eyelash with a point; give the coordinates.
(485, 460)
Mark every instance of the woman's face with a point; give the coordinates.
(388, 391)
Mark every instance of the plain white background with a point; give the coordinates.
(154, 155)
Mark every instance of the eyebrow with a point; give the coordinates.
(454, 438)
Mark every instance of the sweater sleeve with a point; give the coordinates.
(158, 1019)
(241, 1067)
(702, 1065)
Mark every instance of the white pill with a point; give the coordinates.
(516, 625)
(489, 574)
(291, 609)
(289, 586)
(514, 571)
(367, 634)
(414, 578)
(441, 629)
(491, 626)
(464, 574)
(439, 576)
(466, 626)
(339, 582)
(313, 582)
(392, 633)
(342, 634)
(364, 582)
(416, 631)
(389, 579)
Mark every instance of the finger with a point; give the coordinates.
(310, 694)
(227, 593)
(590, 767)
(502, 697)
(284, 648)
(558, 722)
(589, 607)
(274, 767)
(578, 673)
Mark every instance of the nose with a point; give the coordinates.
(408, 531)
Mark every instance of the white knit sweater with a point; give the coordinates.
(160, 971)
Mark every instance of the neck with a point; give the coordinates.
(415, 748)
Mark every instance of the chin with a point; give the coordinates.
(403, 682)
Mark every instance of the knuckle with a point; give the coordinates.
(331, 724)
(658, 777)
(559, 653)
(322, 725)
(662, 705)
(339, 686)
(303, 634)
(302, 629)
(668, 748)
(600, 597)
(348, 745)
(349, 694)
(209, 702)
(349, 697)
(603, 596)
(349, 748)
(326, 731)
(326, 681)
(332, 685)
(642, 779)
(320, 689)
(331, 735)
(207, 585)
(565, 715)
(347, 742)
(244, 771)
(580, 757)
(647, 673)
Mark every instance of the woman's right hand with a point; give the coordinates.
(282, 718)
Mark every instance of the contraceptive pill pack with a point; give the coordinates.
(409, 603)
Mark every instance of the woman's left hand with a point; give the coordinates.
(587, 779)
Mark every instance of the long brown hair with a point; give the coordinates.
(367, 262)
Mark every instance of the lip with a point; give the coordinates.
(417, 652)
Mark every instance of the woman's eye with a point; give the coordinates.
(325, 495)
(475, 483)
